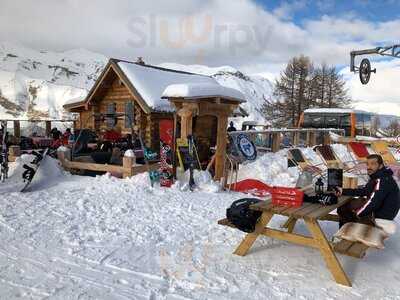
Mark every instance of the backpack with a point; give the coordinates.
(240, 214)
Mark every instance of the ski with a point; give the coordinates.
(4, 152)
(191, 150)
(31, 170)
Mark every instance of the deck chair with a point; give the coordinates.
(297, 158)
(327, 154)
(359, 150)
(381, 148)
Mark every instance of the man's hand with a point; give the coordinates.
(338, 191)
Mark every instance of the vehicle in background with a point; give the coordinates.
(354, 122)
(252, 125)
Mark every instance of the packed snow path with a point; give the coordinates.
(105, 238)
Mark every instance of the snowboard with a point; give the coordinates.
(148, 155)
(166, 141)
(31, 170)
(4, 152)
(192, 184)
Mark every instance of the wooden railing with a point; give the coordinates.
(129, 167)
(271, 139)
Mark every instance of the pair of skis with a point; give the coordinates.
(4, 152)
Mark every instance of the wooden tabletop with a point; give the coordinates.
(306, 211)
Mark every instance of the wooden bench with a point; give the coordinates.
(311, 214)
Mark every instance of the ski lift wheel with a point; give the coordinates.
(365, 71)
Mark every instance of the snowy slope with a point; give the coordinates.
(104, 238)
(35, 84)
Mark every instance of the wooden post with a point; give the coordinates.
(127, 163)
(221, 146)
(17, 129)
(276, 142)
(312, 138)
(327, 138)
(48, 128)
(296, 138)
(186, 115)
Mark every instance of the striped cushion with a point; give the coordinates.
(368, 235)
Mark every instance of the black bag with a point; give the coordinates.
(240, 214)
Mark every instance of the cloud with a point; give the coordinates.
(382, 93)
(240, 33)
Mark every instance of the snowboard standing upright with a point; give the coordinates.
(4, 152)
(31, 170)
(166, 143)
(147, 156)
(191, 149)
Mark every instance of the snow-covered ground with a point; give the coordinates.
(105, 238)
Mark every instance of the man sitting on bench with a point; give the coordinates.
(378, 199)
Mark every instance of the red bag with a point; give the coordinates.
(284, 196)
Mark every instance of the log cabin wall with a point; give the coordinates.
(116, 92)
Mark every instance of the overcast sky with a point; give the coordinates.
(254, 36)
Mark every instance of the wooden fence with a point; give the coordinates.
(129, 167)
(271, 139)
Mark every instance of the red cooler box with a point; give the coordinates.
(285, 196)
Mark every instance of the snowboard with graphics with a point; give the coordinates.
(166, 142)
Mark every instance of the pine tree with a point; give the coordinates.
(302, 86)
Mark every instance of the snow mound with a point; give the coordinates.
(271, 168)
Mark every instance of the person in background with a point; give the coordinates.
(66, 135)
(231, 127)
(286, 142)
(379, 198)
(57, 140)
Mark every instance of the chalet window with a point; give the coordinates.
(129, 115)
(111, 110)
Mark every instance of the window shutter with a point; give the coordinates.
(129, 114)
(111, 109)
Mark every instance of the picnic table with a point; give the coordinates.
(312, 214)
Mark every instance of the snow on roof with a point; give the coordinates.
(151, 82)
(75, 100)
(335, 110)
(202, 90)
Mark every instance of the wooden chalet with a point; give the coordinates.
(134, 89)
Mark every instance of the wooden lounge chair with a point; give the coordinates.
(359, 150)
(381, 148)
(297, 158)
(327, 153)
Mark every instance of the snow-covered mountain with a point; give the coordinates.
(35, 84)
